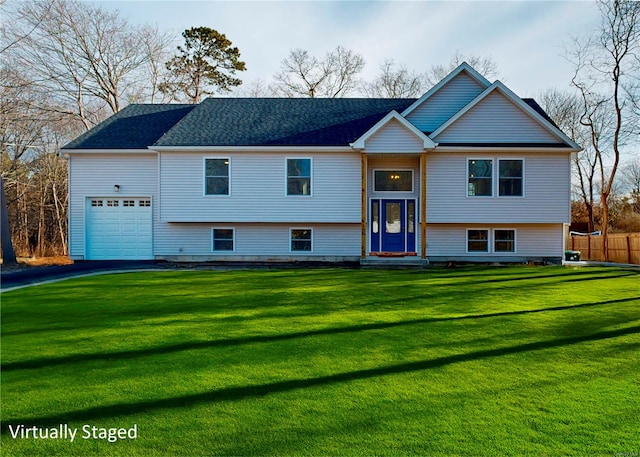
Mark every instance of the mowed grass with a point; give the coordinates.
(469, 361)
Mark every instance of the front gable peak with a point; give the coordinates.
(498, 116)
(446, 98)
(393, 133)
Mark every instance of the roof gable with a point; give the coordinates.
(498, 116)
(446, 98)
(393, 133)
(279, 121)
(135, 127)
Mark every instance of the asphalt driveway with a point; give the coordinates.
(33, 275)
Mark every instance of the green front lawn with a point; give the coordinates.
(471, 361)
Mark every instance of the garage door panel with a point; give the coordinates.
(119, 229)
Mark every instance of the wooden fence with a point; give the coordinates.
(623, 247)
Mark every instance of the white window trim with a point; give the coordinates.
(515, 241)
(213, 244)
(498, 177)
(291, 229)
(466, 178)
(286, 177)
(489, 241)
(393, 192)
(204, 177)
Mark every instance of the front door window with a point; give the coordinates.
(393, 217)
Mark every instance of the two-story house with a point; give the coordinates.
(467, 172)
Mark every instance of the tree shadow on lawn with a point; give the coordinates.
(196, 305)
(193, 345)
(260, 390)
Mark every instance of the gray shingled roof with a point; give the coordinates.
(134, 127)
(245, 122)
(279, 121)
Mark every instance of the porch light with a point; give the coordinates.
(116, 188)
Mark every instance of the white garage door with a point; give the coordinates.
(119, 229)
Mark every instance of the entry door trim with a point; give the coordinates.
(376, 221)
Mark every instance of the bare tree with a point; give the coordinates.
(304, 75)
(606, 73)
(565, 109)
(395, 83)
(255, 89)
(486, 66)
(631, 176)
(89, 60)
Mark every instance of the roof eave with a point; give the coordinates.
(251, 148)
(69, 151)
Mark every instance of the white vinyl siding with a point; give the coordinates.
(442, 105)
(546, 190)
(263, 241)
(394, 137)
(257, 183)
(532, 240)
(495, 119)
(95, 175)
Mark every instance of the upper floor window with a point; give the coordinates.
(298, 176)
(216, 176)
(480, 177)
(393, 180)
(510, 177)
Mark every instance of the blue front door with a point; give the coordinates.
(393, 225)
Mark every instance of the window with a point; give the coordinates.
(129, 203)
(504, 240)
(96, 203)
(216, 175)
(298, 176)
(480, 178)
(113, 202)
(301, 239)
(478, 240)
(144, 203)
(510, 178)
(223, 239)
(393, 181)
(375, 216)
(411, 216)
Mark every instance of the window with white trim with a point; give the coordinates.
(393, 181)
(299, 177)
(477, 240)
(510, 177)
(479, 177)
(301, 240)
(223, 239)
(504, 240)
(216, 176)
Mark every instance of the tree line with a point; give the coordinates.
(67, 65)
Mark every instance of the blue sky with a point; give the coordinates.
(525, 38)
